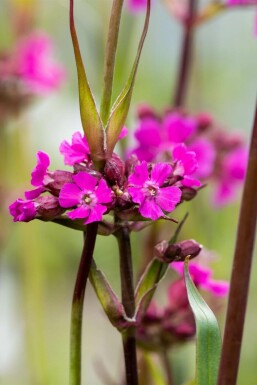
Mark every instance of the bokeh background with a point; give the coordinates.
(38, 261)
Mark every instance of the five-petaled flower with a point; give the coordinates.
(148, 191)
(87, 195)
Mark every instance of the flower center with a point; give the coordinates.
(151, 188)
(89, 198)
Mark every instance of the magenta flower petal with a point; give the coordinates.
(168, 198)
(178, 127)
(32, 194)
(123, 133)
(190, 182)
(76, 152)
(22, 211)
(137, 194)
(149, 209)
(79, 213)
(218, 288)
(205, 156)
(136, 5)
(103, 192)
(85, 181)
(148, 133)
(140, 175)
(70, 195)
(36, 66)
(96, 214)
(160, 172)
(37, 175)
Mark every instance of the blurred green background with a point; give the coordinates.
(39, 261)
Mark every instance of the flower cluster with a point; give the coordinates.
(174, 323)
(198, 147)
(142, 190)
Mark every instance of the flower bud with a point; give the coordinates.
(188, 193)
(145, 111)
(188, 248)
(48, 207)
(115, 169)
(54, 180)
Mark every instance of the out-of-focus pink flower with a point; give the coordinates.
(77, 151)
(88, 195)
(232, 173)
(232, 3)
(146, 190)
(123, 133)
(148, 134)
(179, 128)
(205, 156)
(22, 210)
(136, 5)
(202, 277)
(186, 165)
(36, 65)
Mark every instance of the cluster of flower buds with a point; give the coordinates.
(27, 70)
(132, 189)
(196, 145)
(174, 323)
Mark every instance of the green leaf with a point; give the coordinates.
(208, 339)
(109, 300)
(120, 107)
(90, 118)
(147, 285)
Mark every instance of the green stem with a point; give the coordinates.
(167, 367)
(241, 271)
(185, 57)
(128, 301)
(110, 55)
(77, 303)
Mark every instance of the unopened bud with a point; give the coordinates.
(54, 180)
(115, 169)
(188, 248)
(48, 207)
(145, 111)
(204, 120)
(188, 193)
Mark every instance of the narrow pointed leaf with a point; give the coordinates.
(208, 339)
(108, 299)
(151, 277)
(147, 285)
(120, 107)
(90, 118)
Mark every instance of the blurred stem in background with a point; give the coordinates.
(240, 278)
(186, 55)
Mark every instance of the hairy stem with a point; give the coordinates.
(128, 301)
(185, 56)
(110, 55)
(241, 271)
(77, 303)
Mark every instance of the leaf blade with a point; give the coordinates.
(120, 107)
(90, 118)
(208, 345)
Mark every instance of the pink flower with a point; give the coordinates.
(36, 66)
(233, 169)
(205, 156)
(148, 135)
(136, 5)
(186, 165)
(178, 127)
(77, 151)
(39, 175)
(22, 210)
(232, 3)
(88, 195)
(202, 277)
(147, 190)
